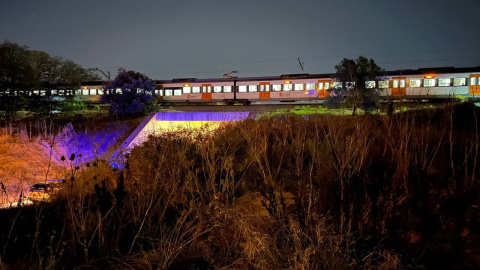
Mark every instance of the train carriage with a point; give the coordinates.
(431, 83)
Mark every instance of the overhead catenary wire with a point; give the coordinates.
(263, 66)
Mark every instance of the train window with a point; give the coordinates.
(100, 91)
(242, 88)
(310, 86)
(370, 84)
(159, 92)
(264, 88)
(196, 89)
(337, 85)
(395, 84)
(287, 87)
(429, 82)
(402, 83)
(444, 82)
(459, 82)
(472, 81)
(177, 92)
(320, 86)
(118, 91)
(217, 89)
(277, 87)
(78, 92)
(252, 88)
(298, 86)
(61, 92)
(206, 89)
(227, 89)
(54, 92)
(187, 89)
(383, 84)
(327, 86)
(168, 92)
(85, 92)
(93, 91)
(415, 83)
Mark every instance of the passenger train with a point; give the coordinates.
(426, 83)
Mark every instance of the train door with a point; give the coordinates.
(323, 86)
(474, 84)
(399, 86)
(264, 90)
(206, 91)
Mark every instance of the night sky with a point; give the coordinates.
(204, 39)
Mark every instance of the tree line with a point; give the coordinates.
(24, 69)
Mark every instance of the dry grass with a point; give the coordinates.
(285, 192)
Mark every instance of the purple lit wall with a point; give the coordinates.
(157, 123)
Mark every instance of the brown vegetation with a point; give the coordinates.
(285, 192)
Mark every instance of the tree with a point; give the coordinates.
(22, 70)
(352, 76)
(135, 97)
(16, 73)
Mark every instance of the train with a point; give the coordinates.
(425, 83)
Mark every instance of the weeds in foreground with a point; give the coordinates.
(327, 192)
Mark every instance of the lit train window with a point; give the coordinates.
(53, 92)
(395, 84)
(402, 83)
(168, 92)
(159, 92)
(415, 83)
(320, 86)
(429, 82)
(242, 88)
(472, 81)
(227, 89)
(252, 88)
(118, 91)
(196, 89)
(287, 87)
(264, 88)
(85, 92)
(177, 92)
(337, 85)
(93, 91)
(206, 89)
(459, 82)
(310, 86)
(444, 82)
(187, 89)
(78, 92)
(100, 91)
(383, 84)
(217, 89)
(277, 87)
(298, 86)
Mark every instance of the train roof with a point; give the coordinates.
(437, 70)
(404, 72)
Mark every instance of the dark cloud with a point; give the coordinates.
(191, 38)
